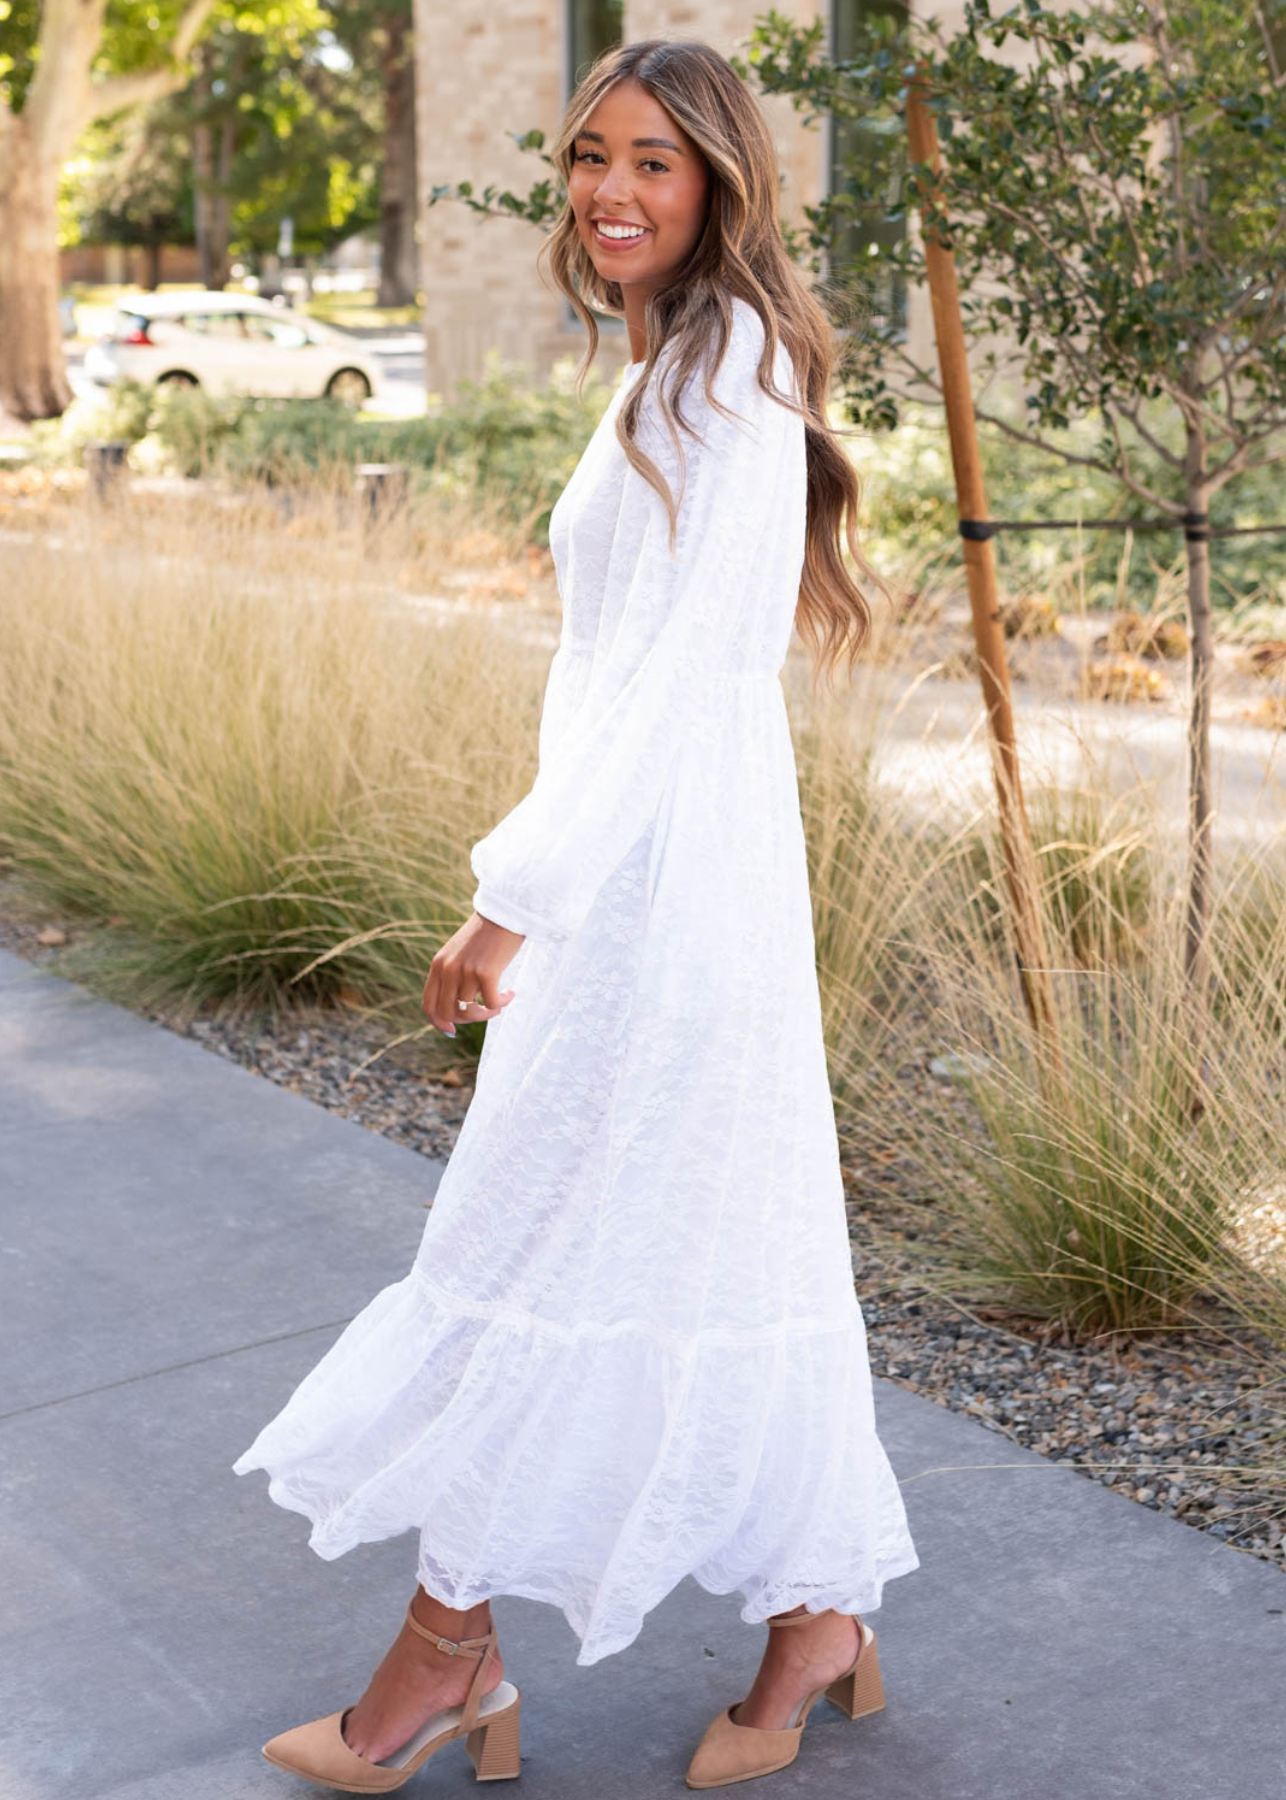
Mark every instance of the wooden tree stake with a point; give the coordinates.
(980, 570)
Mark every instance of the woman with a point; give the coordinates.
(629, 1348)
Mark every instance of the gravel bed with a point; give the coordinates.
(1181, 1423)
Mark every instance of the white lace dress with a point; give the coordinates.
(629, 1347)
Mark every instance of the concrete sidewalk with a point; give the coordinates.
(180, 1242)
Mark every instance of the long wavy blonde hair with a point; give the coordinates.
(740, 251)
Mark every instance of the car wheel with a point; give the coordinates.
(177, 378)
(349, 386)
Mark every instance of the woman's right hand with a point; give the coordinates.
(469, 964)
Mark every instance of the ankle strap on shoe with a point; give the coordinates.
(452, 1646)
(483, 1648)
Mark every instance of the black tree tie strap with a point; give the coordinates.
(1196, 527)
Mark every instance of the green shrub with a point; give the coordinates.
(194, 427)
(123, 412)
(502, 438)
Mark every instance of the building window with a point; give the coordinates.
(592, 27)
(873, 143)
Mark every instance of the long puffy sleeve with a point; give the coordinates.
(670, 620)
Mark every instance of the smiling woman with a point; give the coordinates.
(638, 191)
(629, 1349)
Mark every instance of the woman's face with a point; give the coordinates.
(638, 189)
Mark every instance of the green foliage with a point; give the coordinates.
(505, 435)
(136, 33)
(541, 205)
(306, 123)
(1114, 190)
(1249, 942)
(1089, 1196)
(131, 182)
(123, 413)
(258, 780)
(295, 111)
(19, 31)
(136, 36)
(503, 438)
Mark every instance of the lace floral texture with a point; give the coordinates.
(629, 1348)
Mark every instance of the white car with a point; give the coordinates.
(230, 344)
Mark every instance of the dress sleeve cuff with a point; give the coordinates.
(492, 906)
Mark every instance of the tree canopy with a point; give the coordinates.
(1114, 190)
(278, 76)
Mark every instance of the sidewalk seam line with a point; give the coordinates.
(170, 1368)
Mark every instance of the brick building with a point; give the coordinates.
(485, 70)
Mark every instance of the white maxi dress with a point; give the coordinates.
(629, 1347)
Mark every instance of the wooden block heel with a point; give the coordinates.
(861, 1690)
(493, 1747)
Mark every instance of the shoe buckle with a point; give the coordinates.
(447, 1645)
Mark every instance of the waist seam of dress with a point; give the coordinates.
(680, 1343)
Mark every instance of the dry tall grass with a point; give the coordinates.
(251, 738)
(217, 729)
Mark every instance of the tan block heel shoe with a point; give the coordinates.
(730, 1752)
(488, 1724)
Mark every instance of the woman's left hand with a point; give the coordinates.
(470, 964)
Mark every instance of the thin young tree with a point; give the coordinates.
(1114, 191)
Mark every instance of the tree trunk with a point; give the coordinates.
(212, 144)
(153, 267)
(202, 171)
(211, 218)
(221, 220)
(211, 206)
(33, 369)
(399, 273)
(1200, 808)
(34, 145)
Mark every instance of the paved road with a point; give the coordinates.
(180, 1240)
(932, 746)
